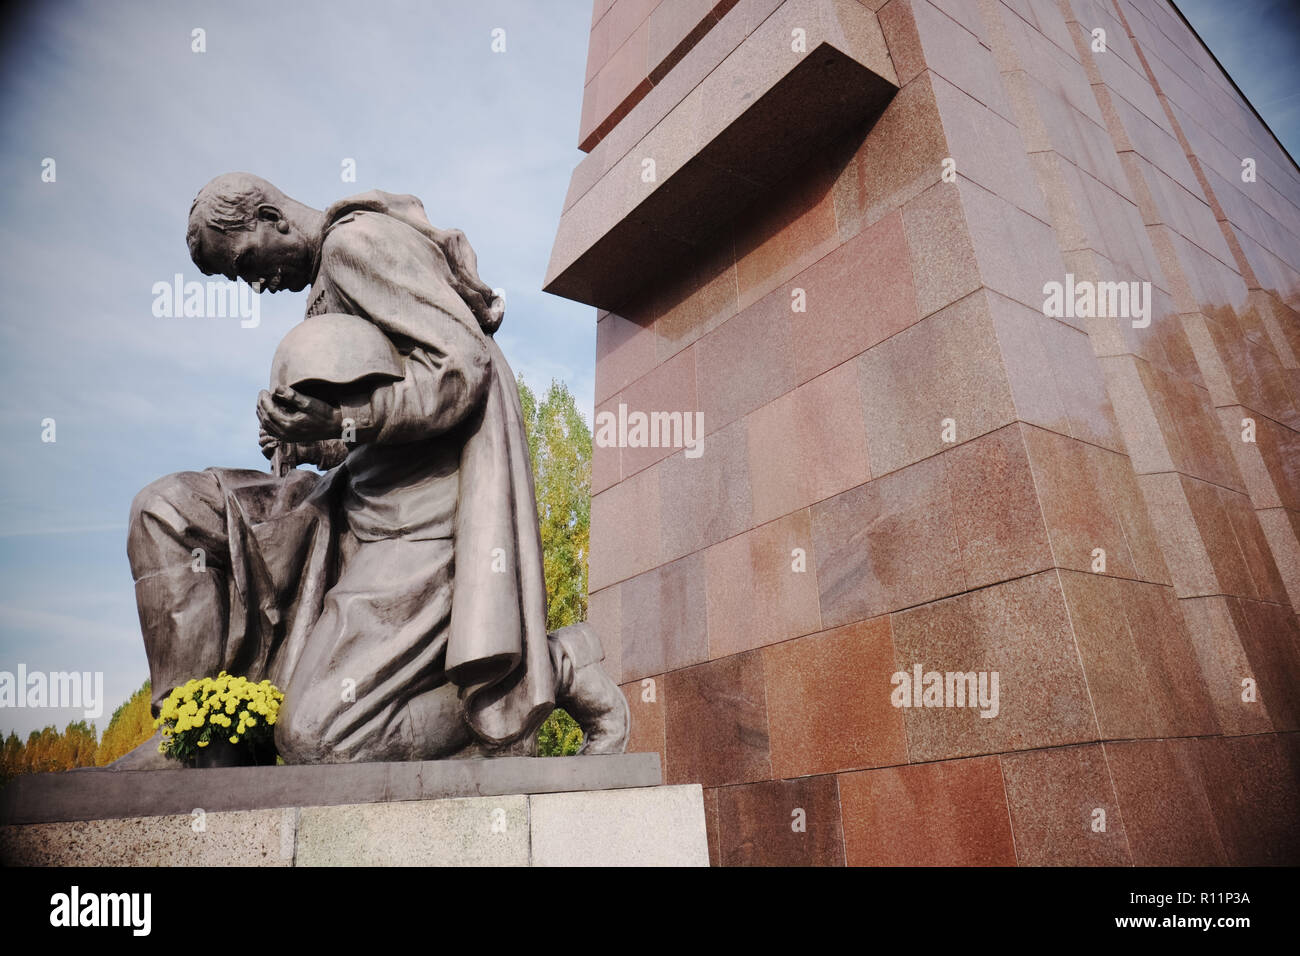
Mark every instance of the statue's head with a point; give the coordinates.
(242, 226)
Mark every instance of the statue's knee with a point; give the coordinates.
(165, 514)
(161, 497)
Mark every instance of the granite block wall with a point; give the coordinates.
(911, 459)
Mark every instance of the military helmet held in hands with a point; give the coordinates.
(335, 350)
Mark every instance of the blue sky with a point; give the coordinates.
(136, 122)
(1258, 44)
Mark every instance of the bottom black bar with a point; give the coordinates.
(1222, 906)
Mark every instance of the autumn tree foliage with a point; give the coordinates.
(47, 750)
(79, 745)
(130, 726)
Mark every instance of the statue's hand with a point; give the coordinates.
(292, 416)
(268, 443)
(496, 311)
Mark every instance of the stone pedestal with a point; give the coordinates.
(562, 811)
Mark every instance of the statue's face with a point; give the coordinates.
(264, 254)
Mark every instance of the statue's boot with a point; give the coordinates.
(584, 690)
(436, 722)
(182, 615)
(144, 757)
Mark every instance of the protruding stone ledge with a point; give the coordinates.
(106, 794)
(811, 71)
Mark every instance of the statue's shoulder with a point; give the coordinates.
(367, 236)
(361, 226)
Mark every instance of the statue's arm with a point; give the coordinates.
(478, 295)
(436, 395)
(323, 454)
(388, 280)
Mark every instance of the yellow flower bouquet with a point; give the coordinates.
(220, 721)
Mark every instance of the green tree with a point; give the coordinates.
(559, 735)
(559, 444)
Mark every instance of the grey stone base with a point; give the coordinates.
(643, 826)
(108, 794)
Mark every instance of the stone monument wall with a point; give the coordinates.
(838, 254)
